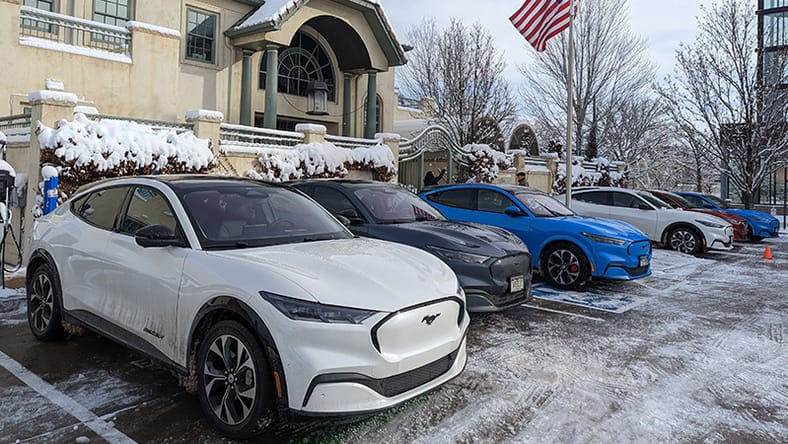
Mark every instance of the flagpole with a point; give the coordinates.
(570, 103)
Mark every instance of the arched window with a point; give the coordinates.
(378, 112)
(303, 61)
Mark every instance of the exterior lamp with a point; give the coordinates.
(317, 98)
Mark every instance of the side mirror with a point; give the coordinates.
(343, 220)
(352, 216)
(513, 211)
(157, 236)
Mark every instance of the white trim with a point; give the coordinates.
(71, 49)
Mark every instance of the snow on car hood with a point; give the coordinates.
(604, 227)
(361, 273)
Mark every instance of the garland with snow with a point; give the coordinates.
(84, 151)
(582, 177)
(486, 162)
(321, 160)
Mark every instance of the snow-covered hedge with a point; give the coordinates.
(486, 162)
(600, 175)
(84, 151)
(324, 160)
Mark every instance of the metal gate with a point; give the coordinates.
(437, 144)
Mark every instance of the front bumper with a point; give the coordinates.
(622, 262)
(341, 369)
(719, 238)
(488, 286)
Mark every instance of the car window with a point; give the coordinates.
(653, 200)
(394, 204)
(542, 205)
(594, 197)
(717, 201)
(249, 215)
(455, 198)
(627, 200)
(332, 200)
(147, 207)
(493, 201)
(697, 202)
(102, 207)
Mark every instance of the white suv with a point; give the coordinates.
(253, 293)
(684, 231)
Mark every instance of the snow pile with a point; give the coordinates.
(153, 29)
(320, 160)
(85, 151)
(486, 162)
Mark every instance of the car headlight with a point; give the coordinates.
(299, 310)
(709, 224)
(461, 256)
(604, 239)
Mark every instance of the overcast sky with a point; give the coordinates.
(664, 23)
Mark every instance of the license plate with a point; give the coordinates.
(516, 283)
(643, 261)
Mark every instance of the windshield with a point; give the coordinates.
(717, 201)
(542, 205)
(653, 200)
(683, 203)
(243, 215)
(395, 205)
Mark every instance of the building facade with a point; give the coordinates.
(263, 63)
(772, 68)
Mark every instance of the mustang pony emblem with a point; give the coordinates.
(429, 319)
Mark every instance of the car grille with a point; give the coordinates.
(395, 385)
(636, 271)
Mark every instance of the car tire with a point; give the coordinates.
(234, 382)
(684, 240)
(565, 266)
(44, 315)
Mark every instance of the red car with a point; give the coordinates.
(741, 229)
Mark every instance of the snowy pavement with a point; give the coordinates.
(697, 353)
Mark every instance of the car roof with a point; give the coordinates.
(503, 186)
(351, 183)
(180, 182)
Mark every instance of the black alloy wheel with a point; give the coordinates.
(565, 266)
(234, 381)
(43, 305)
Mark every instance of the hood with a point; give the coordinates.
(468, 237)
(760, 216)
(360, 273)
(603, 227)
(728, 217)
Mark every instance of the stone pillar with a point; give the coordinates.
(207, 125)
(246, 88)
(49, 108)
(392, 141)
(312, 133)
(372, 99)
(271, 86)
(347, 105)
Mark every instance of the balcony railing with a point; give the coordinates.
(68, 30)
(14, 122)
(239, 135)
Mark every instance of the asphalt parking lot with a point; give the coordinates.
(696, 352)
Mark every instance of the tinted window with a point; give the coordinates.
(627, 200)
(696, 202)
(594, 197)
(542, 205)
(147, 207)
(238, 215)
(493, 201)
(455, 198)
(395, 204)
(332, 200)
(102, 207)
(653, 200)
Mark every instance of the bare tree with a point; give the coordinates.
(611, 68)
(461, 70)
(716, 100)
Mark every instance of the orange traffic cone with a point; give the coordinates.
(767, 254)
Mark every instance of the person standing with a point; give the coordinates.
(431, 179)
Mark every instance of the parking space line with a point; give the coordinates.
(72, 407)
(591, 318)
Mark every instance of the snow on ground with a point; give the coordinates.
(700, 357)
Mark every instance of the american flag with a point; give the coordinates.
(540, 20)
